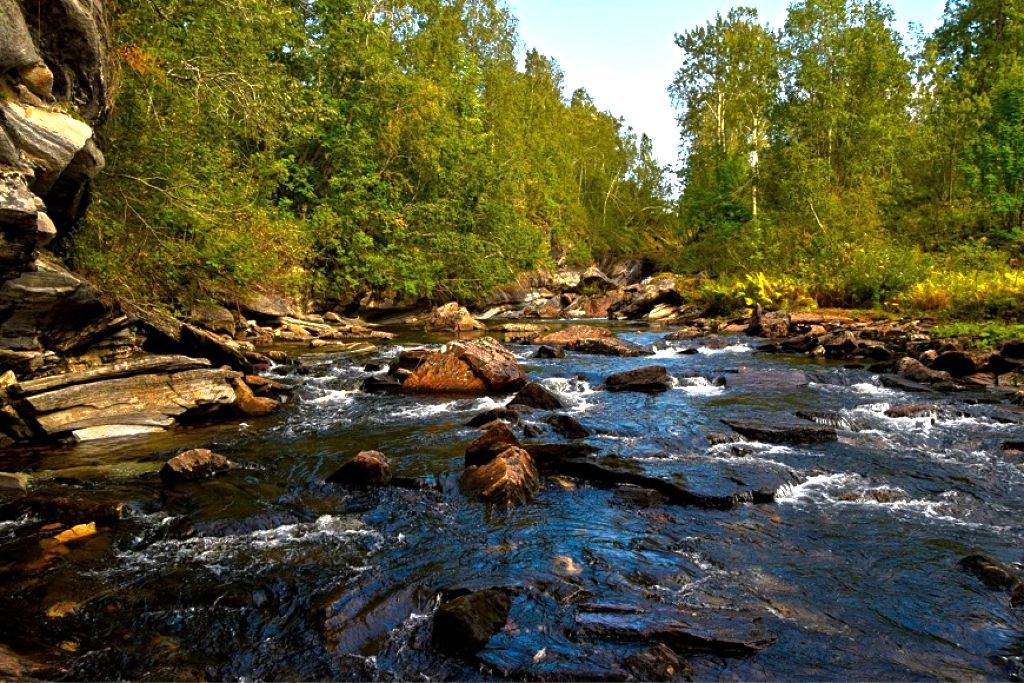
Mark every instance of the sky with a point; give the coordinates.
(622, 51)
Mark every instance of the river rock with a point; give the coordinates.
(609, 347)
(770, 324)
(249, 404)
(477, 367)
(199, 463)
(510, 478)
(365, 469)
(913, 410)
(511, 413)
(650, 380)
(707, 631)
(465, 622)
(550, 352)
(995, 575)
(452, 317)
(495, 440)
(575, 333)
(916, 371)
(781, 431)
(567, 426)
(534, 395)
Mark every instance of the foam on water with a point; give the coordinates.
(244, 553)
(461, 405)
(574, 392)
(698, 386)
(732, 348)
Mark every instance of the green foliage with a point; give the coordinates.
(333, 147)
(982, 335)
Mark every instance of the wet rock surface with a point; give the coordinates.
(193, 465)
(653, 379)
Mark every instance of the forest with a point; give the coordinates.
(331, 148)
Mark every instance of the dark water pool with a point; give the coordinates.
(270, 573)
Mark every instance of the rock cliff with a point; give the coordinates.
(73, 360)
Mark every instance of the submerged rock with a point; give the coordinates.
(510, 478)
(995, 575)
(464, 623)
(704, 631)
(198, 463)
(511, 414)
(366, 468)
(650, 380)
(567, 426)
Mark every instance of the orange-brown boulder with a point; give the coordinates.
(511, 478)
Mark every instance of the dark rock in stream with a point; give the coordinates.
(534, 395)
(366, 468)
(511, 414)
(464, 623)
(913, 410)
(554, 459)
(652, 379)
(902, 384)
(567, 426)
(995, 575)
(550, 352)
(657, 663)
(782, 432)
(704, 631)
(199, 463)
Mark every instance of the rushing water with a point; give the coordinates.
(268, 572)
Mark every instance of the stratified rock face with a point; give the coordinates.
(150, 392)
(53, 55)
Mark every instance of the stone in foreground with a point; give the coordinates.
(463, 624)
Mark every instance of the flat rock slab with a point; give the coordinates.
(782, 432)
(649, 380)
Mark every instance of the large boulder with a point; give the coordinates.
(650, 380)
(249, 403)
(366, 468)
(198, 463)
(477, 367)
(214, 318)
(467, 620)
(590, 339)
(452, 317)
(510, 478)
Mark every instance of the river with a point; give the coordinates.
(268, 572)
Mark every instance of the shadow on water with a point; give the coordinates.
(268, 572)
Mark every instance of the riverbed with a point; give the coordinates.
(268, 572)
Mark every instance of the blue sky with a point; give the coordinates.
(622, 52)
